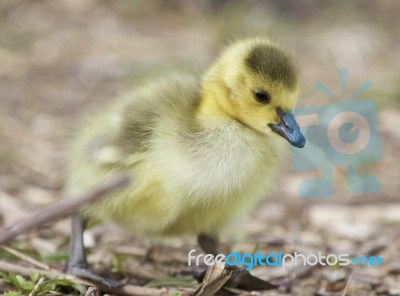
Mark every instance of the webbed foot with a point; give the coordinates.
(242, 279)
(88, 275)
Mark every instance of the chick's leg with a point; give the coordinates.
(209, 244)
(241, 278)
(77, 264)
(77, 256)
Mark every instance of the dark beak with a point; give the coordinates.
(289, 129)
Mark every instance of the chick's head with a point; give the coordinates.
(256, 83)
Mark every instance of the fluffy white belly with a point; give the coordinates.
(216, 164)
(183, 187)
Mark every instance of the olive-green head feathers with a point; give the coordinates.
(273, 64)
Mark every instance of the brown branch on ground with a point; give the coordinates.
(216, 276)
(91, 291)
(129, 290)
(25, 258)
(62, 208)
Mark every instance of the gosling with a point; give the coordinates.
(200, 152)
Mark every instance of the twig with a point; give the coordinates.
(348, 282)
(91, 291)
(129, 290)
(214, 279)
(36, 287)
(25, 258)
(51, 273)
(62, 208)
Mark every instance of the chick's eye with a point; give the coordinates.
(262, 97)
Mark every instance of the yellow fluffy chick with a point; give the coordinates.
(199, 151)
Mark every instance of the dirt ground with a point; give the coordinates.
(59, 57)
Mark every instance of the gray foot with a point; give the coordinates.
(87, 274)
(242, 279)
